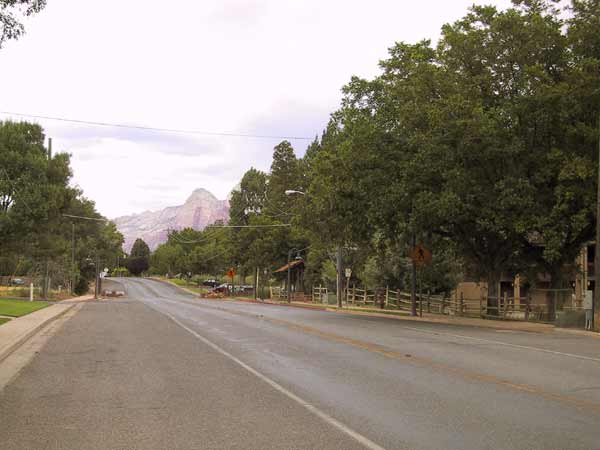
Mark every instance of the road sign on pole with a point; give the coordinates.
(420, 255)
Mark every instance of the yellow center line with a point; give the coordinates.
(414, 360)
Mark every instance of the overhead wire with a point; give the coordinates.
(156, 129)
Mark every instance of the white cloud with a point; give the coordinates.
(248, 66)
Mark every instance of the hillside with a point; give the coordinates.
(201, 208)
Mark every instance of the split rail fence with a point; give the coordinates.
(488, 307)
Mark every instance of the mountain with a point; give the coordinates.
(201, 208)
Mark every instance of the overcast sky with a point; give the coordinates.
(266, 67)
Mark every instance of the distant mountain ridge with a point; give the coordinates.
(201, 208)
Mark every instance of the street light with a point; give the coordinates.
(339, 259)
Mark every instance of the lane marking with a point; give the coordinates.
(310, 407)
(507, 344)
(411, 359)
(435, 333)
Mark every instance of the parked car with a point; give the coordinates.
(210, 283)
(222, 288)
(17, 282)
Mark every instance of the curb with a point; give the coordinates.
(577, 332)
(6, 351)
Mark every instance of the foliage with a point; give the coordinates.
(19, 308)
(82, 287)
(139, 258)
(11, 12)
(483, 148)
(36, 236)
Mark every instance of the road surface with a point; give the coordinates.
(163, 369)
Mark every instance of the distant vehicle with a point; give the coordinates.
(210, 283)
(17, 282)
(225, 288)
(221, 288)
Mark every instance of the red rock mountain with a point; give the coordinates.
(201, 208)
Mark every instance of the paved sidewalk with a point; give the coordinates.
(14, 333)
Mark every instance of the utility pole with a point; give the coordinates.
(596, 301)
(340, 281)
(97, 288)
(413, 282)
(72, 257)
(45, 285)
(255, 283)
(289, 276)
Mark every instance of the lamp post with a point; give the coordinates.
(289, 274)
(339, 259)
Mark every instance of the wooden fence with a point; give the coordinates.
(504, 307)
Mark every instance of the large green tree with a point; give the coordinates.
(36, 235)
(139, 257)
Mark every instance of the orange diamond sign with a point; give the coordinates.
(420, 255)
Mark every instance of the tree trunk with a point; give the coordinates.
(493, 296)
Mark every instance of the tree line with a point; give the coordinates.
(48, 229)
(482, 147)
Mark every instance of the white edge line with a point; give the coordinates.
(313, 409)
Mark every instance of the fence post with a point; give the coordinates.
(365, 297)
(462, 300)
(387, 295)
(505, 304)
(443, 304)
(481, 306)
(428, 300)
(30, 292)
(527, 304)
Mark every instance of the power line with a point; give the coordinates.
(253, 226)
(195, 241)
(85, 218)
(148, 128)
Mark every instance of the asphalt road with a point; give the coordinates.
(165, 370)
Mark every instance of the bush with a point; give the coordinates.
(82, 287)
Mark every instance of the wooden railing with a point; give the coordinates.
(320, 295)
(505, 307)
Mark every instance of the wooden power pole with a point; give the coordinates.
(596, 301)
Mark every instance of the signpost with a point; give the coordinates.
(420, 257)
(231, 274)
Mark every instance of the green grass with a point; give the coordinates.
(18, 308)
(3, 320)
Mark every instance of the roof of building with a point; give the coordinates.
(292, 264)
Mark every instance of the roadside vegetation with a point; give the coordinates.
(19, 308)
(39, 242)
(480, 148)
